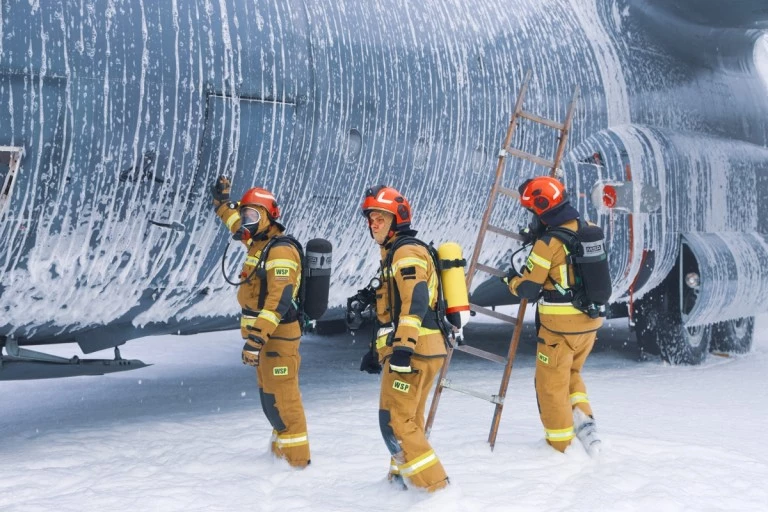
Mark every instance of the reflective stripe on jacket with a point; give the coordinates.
(282, 275)
(546, 265)
(412, 275)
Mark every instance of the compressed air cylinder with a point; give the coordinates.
(454, 284)
(317, 275)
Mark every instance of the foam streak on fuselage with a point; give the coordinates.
(128, 111)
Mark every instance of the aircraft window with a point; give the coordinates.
(354, 145)
(420, 153)
(10, 159)
(477, 160)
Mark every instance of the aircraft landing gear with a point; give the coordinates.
(733, 336)
(659, 323)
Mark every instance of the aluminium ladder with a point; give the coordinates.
(475, 266)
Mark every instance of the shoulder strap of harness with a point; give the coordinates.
(572, 244)
(280, 240)
(568, 237)
(395, 303)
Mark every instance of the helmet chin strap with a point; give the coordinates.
(262, 228)
(260, 236)
(244, 233)
(389, 236)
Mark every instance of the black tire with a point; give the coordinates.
(648, 321)
(659, 326)
(733, 336)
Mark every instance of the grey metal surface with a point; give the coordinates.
(128, 109)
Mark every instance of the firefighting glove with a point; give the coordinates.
(370, 362)
(529, 236)
(252, 349)
(400, 361)
(511, 273)
(533, 231)
(220, 190)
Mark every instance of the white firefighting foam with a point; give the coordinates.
(189, 434)
(761, 58)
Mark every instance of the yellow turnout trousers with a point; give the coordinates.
(401, 418)
(559, 386)
(278, 379)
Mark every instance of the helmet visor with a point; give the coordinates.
(249, 215)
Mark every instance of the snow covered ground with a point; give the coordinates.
(188, 434)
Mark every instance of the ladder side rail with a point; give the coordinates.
(507, 372)
(497, 182)
(484, 223)
(565, 132)
(438, 391)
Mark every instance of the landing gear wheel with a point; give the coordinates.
(659, 324)
(647, 323)
(733, 336)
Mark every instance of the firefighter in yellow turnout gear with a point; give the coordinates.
(566, 334)
(269, 323)
(410, 345)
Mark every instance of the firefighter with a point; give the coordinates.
(269, 322)
(410, 347)
(565, 333)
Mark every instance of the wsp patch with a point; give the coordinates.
(401, 386)
(282, 272)
(280, 371)
(543, 358)
(529, 264)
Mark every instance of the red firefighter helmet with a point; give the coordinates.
(387, 199)
(264, 198)
(542, 194)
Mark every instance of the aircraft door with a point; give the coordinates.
(248, 139)
(252, 141)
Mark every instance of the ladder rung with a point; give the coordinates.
(541, 120)
(504, 232)
(481, 353)
(514, 194)
(494, 314)
(531, 158)
(490, 270)
(495, 399)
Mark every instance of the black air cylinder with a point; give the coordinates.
(317, 275)
(592, 265)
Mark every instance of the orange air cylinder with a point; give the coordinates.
(454, 284)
